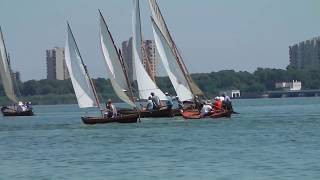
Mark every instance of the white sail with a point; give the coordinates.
(115, 71)
(160, 22)
(145, 84)
(5, 71)
(79, 78)
(175, 74)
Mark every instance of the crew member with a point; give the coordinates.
(111, 111)
(226, 104)
(156, 101)
(149, 104)
(169, 101)
(217, 105)
(206, 110)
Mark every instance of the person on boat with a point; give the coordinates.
(156, 101)
(169, 100)
(197, 103)
(226, 104)
(217, 105)
(206, 110)
(29, 106)
(180, 103)
(111, 111)
(149, 104)
(20, 107)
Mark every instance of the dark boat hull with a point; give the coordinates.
(130, 118)
(11, 112)
(196, 114)
(154, 113)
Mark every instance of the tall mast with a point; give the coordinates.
(87, 73)
(120, 60)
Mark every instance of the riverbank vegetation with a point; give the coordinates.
(250, 85)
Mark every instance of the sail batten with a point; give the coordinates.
(5, 71)
(113, 64)
(160, 22)
(80, 79)
(145, 84)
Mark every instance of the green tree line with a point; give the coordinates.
(263, 79)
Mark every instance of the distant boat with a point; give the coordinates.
(83, 86)
(7, 82)
(171, 58)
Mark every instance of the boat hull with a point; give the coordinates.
(129, 118)
(154, 113)
(12, 112)
(196, 114)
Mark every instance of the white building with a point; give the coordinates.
(232, 93)
(292, 86)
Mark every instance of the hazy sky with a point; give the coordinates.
(211, 34)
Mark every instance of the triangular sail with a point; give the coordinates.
(79, 77)
(145, 84)
(160, 22)
(5, 71)
(113, 64)
(175, 74)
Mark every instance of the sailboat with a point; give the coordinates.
(83, 86)
(7, 82)
(172, 60)
(146, 85)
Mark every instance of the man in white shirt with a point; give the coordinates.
(206, 109)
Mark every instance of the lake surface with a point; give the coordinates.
(270, 139)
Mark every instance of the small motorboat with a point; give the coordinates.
(128, 118)
(6, 111)
(194, 114)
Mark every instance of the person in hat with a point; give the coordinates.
(156, 101)
(110, 111)
(169, 101)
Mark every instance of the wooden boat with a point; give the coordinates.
(196, 114)
(8, 82)
(157, 113)
(164, 112)
(82, 83)
(12, 112)
(130, 118)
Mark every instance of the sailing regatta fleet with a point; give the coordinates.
(192, 102)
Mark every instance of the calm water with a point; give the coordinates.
(270, 139)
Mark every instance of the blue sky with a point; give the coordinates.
(212, 35)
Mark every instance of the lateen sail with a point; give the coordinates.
(175, 74)
(159, 20)
(5, 71)
(79, 78)
(145, 84)
(112, 61)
